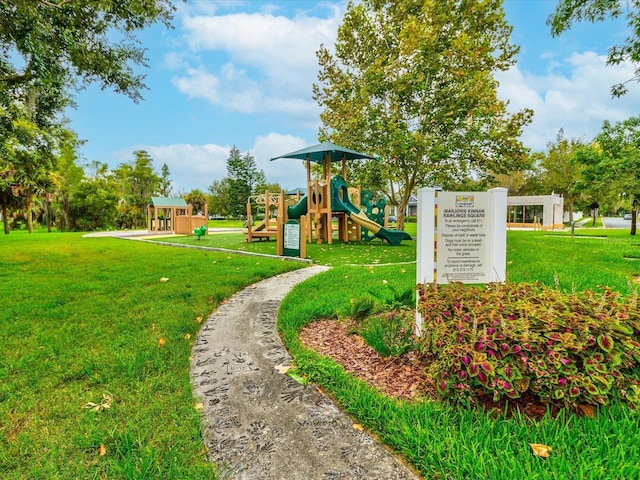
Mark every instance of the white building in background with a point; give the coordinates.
(536, 211)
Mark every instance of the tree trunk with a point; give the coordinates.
(402, 208)
(634, 211)
(67, 218)
(4, 219)
(28, 203)
(570, 198)
(47, 209)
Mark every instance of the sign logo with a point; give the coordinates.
(464, 201)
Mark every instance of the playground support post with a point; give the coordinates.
(280, 237)
(249, 226)
(282, 219)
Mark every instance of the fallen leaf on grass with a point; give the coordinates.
(357, 426)
(301, 380)
(102, 450)
(161, 342)
(164, 279)
(587, 410)
(105, 403)
(199, 319)
(187, 336)
(283, 368)
(540, 449)
(199, 406)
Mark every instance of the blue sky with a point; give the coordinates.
(239, 73)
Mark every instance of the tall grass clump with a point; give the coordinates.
(385, 320)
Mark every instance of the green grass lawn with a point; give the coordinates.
(225, 223)
(338, 253)
(444, 442)
(90, 323)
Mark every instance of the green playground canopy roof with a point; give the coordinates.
(167, 202)
(318, 153)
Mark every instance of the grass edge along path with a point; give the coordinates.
(444, 442)
(96, 338)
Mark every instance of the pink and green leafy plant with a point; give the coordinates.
(506, 340)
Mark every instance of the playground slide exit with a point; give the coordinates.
(340, 203)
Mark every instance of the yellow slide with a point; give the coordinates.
(361, 219)
(261, 225)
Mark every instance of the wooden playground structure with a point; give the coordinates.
(174, 215)
(319, 206)
(326, 199)
(268, 226)
(319, 213)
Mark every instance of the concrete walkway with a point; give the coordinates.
(260, 424)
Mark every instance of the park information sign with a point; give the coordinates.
(462, 249)
(292, 239)
(462, 236)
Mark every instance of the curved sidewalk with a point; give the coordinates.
(260, 424)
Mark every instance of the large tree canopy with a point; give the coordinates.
(569, 11)
(412, 83)
(47, 47)
(562, 173)
(612, 162)
(50, 43)
(244, 178)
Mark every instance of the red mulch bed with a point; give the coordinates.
(402, 377)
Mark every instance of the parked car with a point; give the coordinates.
(627, 216)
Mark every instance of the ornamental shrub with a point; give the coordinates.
(507, 339)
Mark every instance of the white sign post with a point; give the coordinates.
(462, 237)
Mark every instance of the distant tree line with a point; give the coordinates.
(71, 196)
(90, 197)
(228, 196)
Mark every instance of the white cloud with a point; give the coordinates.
(174, 61)
(577, 102)
(199, 84)
(255, 62)
(289, 173)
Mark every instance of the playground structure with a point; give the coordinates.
(173, 215)
(268, 226)
(327, 198)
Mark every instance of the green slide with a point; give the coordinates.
(299, 209)
(340, 203)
